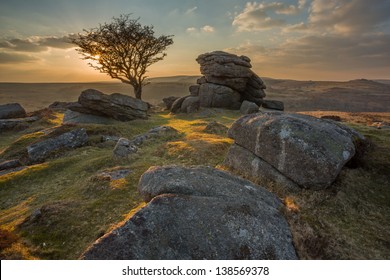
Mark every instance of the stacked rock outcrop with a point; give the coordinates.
(227, 81)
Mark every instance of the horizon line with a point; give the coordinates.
(188, 76)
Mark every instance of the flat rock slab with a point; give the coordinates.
(308, 151)
(8, 124)
(199, 213)
(118, 106)
(38, 152)
(72, 117)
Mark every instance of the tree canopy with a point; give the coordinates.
(123, 49)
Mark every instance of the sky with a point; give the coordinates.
(292, 39)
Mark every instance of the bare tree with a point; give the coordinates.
(123, 49)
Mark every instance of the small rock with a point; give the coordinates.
(248, 108)
(124, 148)
(110, 138)
(273, 105)
(12, 111)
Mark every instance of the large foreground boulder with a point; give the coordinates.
(118, 106)
(12, 111)
(306, 150)
(199, 213)
(40, 151)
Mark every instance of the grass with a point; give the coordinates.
(56, 209)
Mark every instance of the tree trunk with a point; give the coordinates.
(138, 91)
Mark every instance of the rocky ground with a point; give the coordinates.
(222, 173)
(57, 207)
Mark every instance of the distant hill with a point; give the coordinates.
(351, 96)
(387, 82)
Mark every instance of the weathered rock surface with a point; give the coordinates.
(10, 164)
(176, 106)
(8, 124)
(190, 105)
(199, 213)
(123, 148)
(38, 152)
(12, 111)
(218, 96)
(273, 105)
(72, 117)
(118, 106)
(249, 108)
(251, 166)
(308, 151)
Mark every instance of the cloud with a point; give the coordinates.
(37, 43)
(260, 16)
(301, 4)
(22, 45)
(191, 29)
(208, 29)
(191, 10)
(204, 29)
(299, 27)
(348, 17)
(14, 58)
(322, 52)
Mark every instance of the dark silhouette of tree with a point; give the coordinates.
(123, 49)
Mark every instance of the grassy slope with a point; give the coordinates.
(350, 220)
